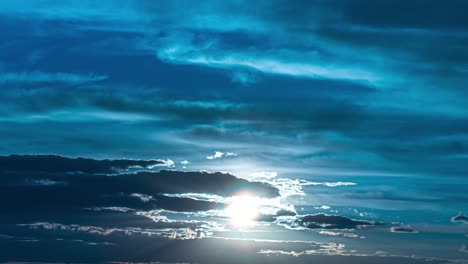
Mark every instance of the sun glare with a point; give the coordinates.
(242, 211)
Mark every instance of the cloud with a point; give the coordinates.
(219, 154)
(56, 164)
(76, 195)
(111, 208)
(143, 197)
(352, 133)
(264, 174)
(463, 248)
(279, 214)
(270, 63)
(340, 234)
(346, 86)
(179, 233)
(325, 221)
(330, 184)
(402, 229)
(165, 163)
(460, 217)
(45, 181)
(325, 248)
(340, 41)
(37, 77)
(290, 187)
(146, 247)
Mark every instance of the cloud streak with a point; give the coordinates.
(42, 78)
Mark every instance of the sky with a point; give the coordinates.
(344, 122)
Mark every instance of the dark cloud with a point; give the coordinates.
(57, 164)
(140, 190)
(460, 217)
(284, 212)
(324, 221)
(53, 167)
(47, 189)
(274, 217)
(104, 218)
(402, 229)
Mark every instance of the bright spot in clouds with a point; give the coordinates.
(242, 211)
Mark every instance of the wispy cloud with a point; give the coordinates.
(38, 77)
(282, 62)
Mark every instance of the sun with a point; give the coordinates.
(242, 211)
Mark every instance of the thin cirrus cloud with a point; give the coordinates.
(267, 64)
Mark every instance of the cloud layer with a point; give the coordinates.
(349, 89)
(354, 108)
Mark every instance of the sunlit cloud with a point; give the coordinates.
(330, 184)
(219, 154)
(341, 234)
(325, 248)
(166, 163)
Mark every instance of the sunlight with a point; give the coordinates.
(242, 211)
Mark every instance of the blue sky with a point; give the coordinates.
(355, 88)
